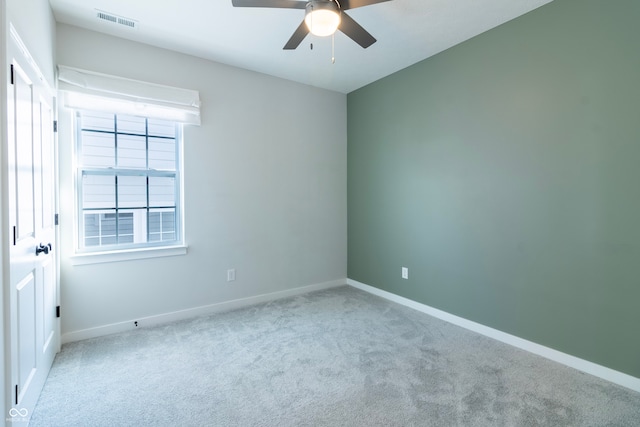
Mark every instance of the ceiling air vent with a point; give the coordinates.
(115, 19)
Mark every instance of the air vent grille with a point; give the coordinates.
(115, 19)
(127, 22)
(107, 17)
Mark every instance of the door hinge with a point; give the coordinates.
(15, 236)
(58, 311)
(11, 73)
(55, 126)
(55, 219)
(16, 394)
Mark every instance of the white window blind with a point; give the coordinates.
(88, 90)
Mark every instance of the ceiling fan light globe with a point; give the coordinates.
(322, 22)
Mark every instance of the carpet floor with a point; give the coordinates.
(339, 357)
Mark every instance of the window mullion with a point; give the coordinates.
(117, 211)
(146, 138)
(162, 226)
(115, 136)
(146, 142)
(148, 212)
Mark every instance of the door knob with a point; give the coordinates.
(43, 248)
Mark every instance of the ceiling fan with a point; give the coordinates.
(322, 18)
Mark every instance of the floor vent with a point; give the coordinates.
(115, 19)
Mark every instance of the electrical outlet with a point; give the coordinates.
(231, 275)
(405, 273)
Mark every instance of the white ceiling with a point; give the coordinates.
(407, 31)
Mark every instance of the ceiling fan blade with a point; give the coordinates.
(280, 4)
(352, 4)
(352, 29)
(298, 35)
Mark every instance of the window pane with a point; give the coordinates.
(132, 152)
(98, 121)
(100, 228)
(162, 225)
(92, 226)
(92, 241)
(98, 149)
(154, 222)
(132, 124)
(155, 226)
(108, 240)
(162, 153)
(125, 227)
(92, 229)
(132, 191)
(108, 225)
(162, 191)
(161, 128)
(168, 222)
(98, 191)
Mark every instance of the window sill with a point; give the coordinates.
(127, 255)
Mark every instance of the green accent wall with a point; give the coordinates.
(505, 174)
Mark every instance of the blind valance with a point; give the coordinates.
(89, 90)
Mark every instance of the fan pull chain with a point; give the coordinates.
(333, 48)
(311, 23)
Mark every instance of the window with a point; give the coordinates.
(128, 164)
(128, 181)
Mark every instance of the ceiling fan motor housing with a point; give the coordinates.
(322, 17)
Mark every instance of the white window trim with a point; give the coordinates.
(86, 257)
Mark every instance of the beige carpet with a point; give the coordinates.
(339, 357)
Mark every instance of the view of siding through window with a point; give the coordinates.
(128, 178)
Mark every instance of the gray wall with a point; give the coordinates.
(504, 174)
(265, 189)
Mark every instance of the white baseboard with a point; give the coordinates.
(113, 328)
(591, 368)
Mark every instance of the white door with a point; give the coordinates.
(34, 327)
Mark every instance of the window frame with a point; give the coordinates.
(124, 251)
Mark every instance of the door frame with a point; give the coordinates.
(4, 221)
